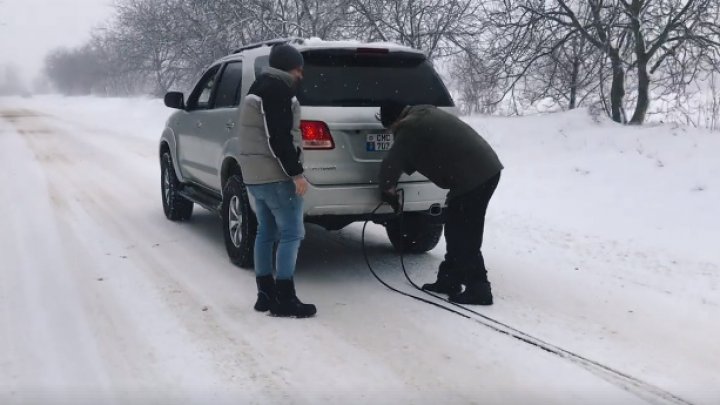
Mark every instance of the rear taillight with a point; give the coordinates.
(316, 135)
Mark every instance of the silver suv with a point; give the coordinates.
(343, 141)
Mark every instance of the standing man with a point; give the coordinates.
(271, 163)
(452, 155)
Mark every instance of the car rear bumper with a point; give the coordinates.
(362, 200)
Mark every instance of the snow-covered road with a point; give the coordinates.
(102, 300)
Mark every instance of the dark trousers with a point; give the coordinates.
(464, 228)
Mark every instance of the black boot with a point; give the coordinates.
(287, 303)
(266, 292)
(448, 281)
(476, 293)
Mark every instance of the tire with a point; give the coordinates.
(175, 206)
(414, 233)
(239, 223)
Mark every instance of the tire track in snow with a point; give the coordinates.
(622, 379)
(82, 212)
(89, 198)
(124, 230)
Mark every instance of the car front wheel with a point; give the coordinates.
(175, 206)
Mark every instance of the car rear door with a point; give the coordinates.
(221, 123)
(340, 95)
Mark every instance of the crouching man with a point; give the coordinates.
(452, 155)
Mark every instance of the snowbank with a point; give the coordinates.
(654, 186)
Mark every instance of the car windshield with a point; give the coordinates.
(336, 78)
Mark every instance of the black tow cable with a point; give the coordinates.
(618, 377)
(401, 194)
(415, 297)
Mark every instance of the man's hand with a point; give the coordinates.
(391, 197)
(301, 185)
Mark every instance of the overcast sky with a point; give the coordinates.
(31, 28)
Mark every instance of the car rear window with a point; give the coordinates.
(346, 78)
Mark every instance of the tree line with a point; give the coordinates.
(502, 56)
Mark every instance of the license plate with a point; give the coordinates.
(379, 142)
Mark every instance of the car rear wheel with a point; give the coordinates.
(239, 223)
(414, 233)
(175, 206)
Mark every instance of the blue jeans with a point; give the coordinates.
(279, 213)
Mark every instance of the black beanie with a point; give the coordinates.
(285, 57)
(390, 111)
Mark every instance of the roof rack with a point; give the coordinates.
(271, 42)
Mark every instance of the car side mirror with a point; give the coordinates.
(175, 99)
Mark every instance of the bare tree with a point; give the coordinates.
(75, 71)
(573, 52)
(171, 41)
(664, 29)
(435, 26)
(10, 81)
(257, 20)
(478, 81)
(152, 36)
(636, 35)
(535, 35)
(527, 59)
(120, 75)
(569, 74)
(713, 113)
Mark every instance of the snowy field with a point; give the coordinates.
(602, 240)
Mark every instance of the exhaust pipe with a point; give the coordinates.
(435, 210)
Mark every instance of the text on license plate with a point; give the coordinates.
(379, 142)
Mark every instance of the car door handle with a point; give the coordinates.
(230, 125)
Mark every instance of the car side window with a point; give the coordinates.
(229, 88)
(201, 97)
